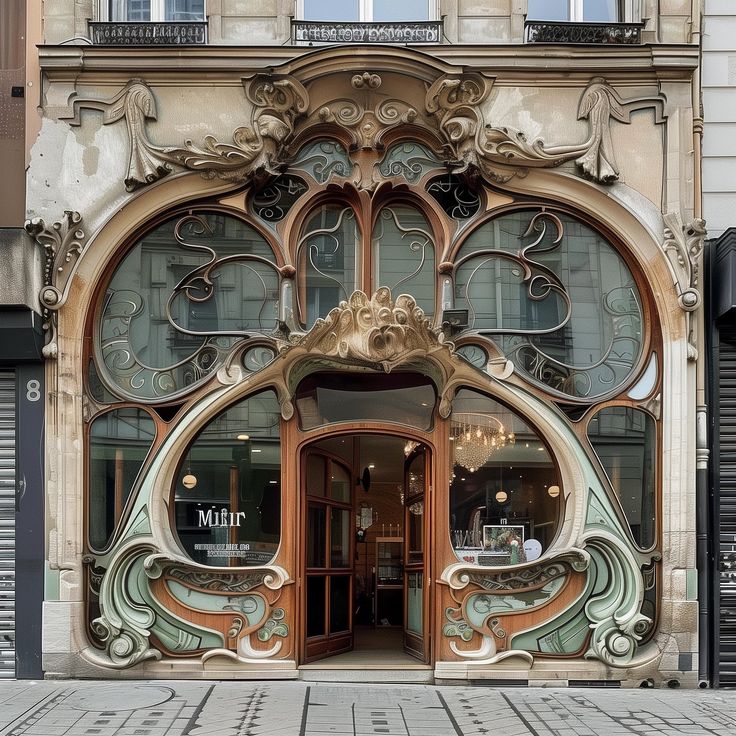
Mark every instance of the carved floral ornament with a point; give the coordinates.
(683, 246)
(365, 108)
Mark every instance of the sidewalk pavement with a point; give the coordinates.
(186, 708)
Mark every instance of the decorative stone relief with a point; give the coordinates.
(683, 246)
(366, 115)
(143, 592)
(502, 152)
(134, 608)
(63, 242)
(374, 330)
(367, 107)
(276, 103)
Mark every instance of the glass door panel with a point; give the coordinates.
(339, 483)
(316, 536)
(340, 603)
(414, 603)
(316, 605)
(340, 538)
(416, 473)
(415, 525)
(316, 470)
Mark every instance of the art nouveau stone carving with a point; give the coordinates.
(502, 152)
(276, 104)
(683, 246)
(374, 330)
(604, 617)
(64, 243)
(135, 104)
(451, 109)
(366, 116)
(141, 590)
(599, 103)
(378, 333)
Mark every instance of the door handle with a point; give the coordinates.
(20, 492)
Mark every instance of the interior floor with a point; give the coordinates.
(374, 648)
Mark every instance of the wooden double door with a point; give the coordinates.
(329, 534)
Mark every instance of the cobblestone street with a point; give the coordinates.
(300, 709)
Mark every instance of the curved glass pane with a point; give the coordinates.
(403, 253)
(323, 159)
(328, 261)
(402, 398)
(227, 495)
(505, 496)
(409, 160)
(272, 203)
(179, 299)
(118, 444)
(625, 441)
(562, 300)
(455, 197)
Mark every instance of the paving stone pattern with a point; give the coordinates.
(127, 708)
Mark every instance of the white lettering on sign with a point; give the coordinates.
(223, 517)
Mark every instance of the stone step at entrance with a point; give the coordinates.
(417, 674)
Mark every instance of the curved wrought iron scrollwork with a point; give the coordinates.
(323, 249)
(272, 203)
(544, 336)
(415, 243)
(408, 160)
(133, 377)
(455, 197)
(169, 335)
(323, 159)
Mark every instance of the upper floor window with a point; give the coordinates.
(155, 10)
(588, 11)
(366, 11)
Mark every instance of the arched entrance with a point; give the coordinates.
(366, 550)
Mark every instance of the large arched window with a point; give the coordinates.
(227, 494)
(505, 496)
(178, 301)
(557, 298)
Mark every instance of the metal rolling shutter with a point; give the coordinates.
(7, 524)
(726, 495)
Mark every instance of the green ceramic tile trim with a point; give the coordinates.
(50, 584)
(691, 584)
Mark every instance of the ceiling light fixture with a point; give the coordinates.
(481, 435)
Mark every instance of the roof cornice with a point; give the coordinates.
(515, 62)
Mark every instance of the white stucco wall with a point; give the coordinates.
(719, 107)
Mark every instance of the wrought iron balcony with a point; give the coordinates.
(542, 31)
(311, 31)
(163, 33)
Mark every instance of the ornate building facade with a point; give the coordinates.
(385, 338)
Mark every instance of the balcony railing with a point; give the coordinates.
(163, 33)
(542, 31)
(311, 31)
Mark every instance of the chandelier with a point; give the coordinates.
(475, 438)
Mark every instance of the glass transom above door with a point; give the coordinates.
(401, 398)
